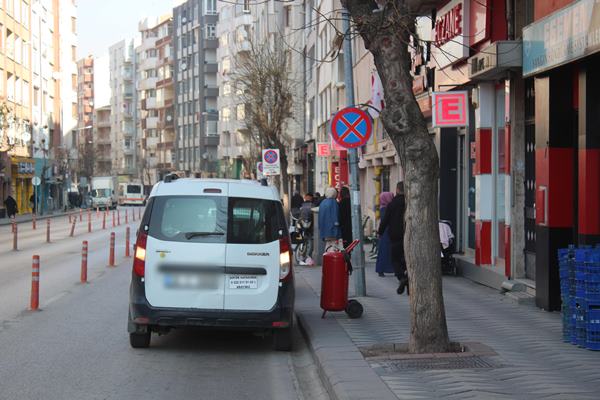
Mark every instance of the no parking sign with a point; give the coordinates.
(271, 162)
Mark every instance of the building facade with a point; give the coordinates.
(85, 117)
(156, 94)
(196, 92)
(123, 113)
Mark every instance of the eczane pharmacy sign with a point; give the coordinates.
(564, 36)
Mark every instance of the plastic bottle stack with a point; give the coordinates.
(580, 291)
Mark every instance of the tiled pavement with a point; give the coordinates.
(532, 361)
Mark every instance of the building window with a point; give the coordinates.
(226, 88)
(74, 113)
(246, 6)
(73, 24)
(286, 16)
(74, 53)
(74, 81)
(211, 31)
(210, 7)
(241, 112)
(225, 114)
(225, 65)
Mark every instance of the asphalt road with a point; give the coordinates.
(77, 346)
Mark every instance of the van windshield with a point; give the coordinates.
(101, 193)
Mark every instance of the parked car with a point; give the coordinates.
(212, 253)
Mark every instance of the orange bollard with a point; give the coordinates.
(127, 245)
(80, 215)
(103, 220)
(139, 213)
(13, 223)
(111, 255)
(69, 215)
(48, 230)
(34, 223)
(15, 228)
(119, 217)
(126, 217)
(84, 256)
(113, 218)
(97, 212)
(35, 283)
(73, 227)
(89, 223)
(133, 214)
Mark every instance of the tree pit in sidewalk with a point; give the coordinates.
(393, 358)
(400, 351)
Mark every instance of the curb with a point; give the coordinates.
(342, 368)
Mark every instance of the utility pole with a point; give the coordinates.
(358, 255)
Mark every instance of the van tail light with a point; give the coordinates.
(285, 259)
(139, 258)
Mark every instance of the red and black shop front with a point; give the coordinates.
(566, 81)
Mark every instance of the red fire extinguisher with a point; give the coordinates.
(334, 283)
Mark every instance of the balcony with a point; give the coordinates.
(87, 93)
(165, 146)
(88, 62)
(127, 129)
(149, 103)
(127, 150)
(211, 68)
(126, 171)
(164, 165)
(148, 63)
(211, 141)
(126, 74)
(103, 123)
(102, 140)
(211, 91)
(151, 122)
(88, 78)
(151, 143)
(210, 43)
(148, 83)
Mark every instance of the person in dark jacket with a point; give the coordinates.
(306, 221)
(345, 216)
(317, 199)
(393, 221)
(11, 207)
(296, 203)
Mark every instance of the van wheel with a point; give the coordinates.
(282, 339)
(140, 340)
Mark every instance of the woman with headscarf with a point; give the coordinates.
(384, 261)
(329, 226)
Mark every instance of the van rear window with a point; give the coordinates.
(254, 221)
(216, 219)
(189, 219)
(134, 189)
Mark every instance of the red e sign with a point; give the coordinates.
(450, 109)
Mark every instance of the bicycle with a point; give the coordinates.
(300, 239)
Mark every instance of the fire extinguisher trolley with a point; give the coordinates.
(337, 268)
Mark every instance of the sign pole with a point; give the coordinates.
(358, 255)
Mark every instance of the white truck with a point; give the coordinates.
(104, 192)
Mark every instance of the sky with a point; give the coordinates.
(101, 23)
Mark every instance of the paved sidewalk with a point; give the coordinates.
(532, 362)
(28, 217)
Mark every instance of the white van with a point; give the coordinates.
(212, 253)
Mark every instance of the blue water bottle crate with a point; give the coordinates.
(593, 327)
(581, 309)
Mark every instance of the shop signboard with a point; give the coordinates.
(323, 149)
(563, 36)
(451, 33)
(450, 109)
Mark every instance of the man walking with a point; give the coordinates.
(393, 220)
(306, 222)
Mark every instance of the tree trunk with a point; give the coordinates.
(386, 35)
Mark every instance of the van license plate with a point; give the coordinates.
(190, 281)
(243, 282)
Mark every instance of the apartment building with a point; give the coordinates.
(66, 152)
(196, 92)
(16, 93)
(233, 30)
(324, 93)
(85, 117)
(122, 64)
(156, 94)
